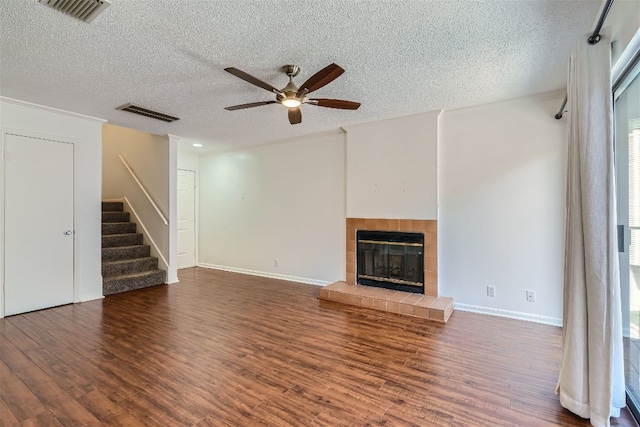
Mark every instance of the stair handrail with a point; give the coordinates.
(133, 175)
(146, 233)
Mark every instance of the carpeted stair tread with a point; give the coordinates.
(112, 206)
(127, 239)
(128, 282)
(128, 266)
(115, 217)
(118, 227)
(125, 252)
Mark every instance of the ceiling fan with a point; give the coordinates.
(291, 96)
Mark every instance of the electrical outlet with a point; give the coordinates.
(531, 296)
(276, 263)
(491, 291)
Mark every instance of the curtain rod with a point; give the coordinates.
(593, 39)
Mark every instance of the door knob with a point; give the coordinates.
(68, 233)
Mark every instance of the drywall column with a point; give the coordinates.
(392, 168)
(172, 273)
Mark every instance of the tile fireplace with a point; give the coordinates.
(410, 263)
(420, 234)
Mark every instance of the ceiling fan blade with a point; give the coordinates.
(321, 78)
(253, 80)
(295, 116)
(335, 103)
(250, 105)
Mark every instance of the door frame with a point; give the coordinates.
(4, 132)
(196, 208)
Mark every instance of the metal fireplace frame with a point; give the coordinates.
(391, 239)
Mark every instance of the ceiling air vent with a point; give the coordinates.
(136, 109)
(84, 10)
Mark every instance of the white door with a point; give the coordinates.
(186, 218)
(38, 255)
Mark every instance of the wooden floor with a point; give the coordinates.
(223, 349)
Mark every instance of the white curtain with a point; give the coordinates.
(591, 382)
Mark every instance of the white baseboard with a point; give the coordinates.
(91, 297)
(265, 274)
(510, 314)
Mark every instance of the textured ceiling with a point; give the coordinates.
(400, 57)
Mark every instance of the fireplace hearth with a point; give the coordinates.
(390, 259)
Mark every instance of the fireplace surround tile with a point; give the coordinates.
(397, 296)
(430, 289)
(407, 309)
(426, 302)
(421, 312)
(351, 256)
(380, 304)
(393, 307)
(418, 226)
(413, 299)
(431, 277)
(367, 302)
(393, 225)
(404, 225)
(430, 251)
(430, 239)
(382, 224)
(430, 264)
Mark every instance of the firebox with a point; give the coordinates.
(392, 260)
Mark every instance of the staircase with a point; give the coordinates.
(126, 264)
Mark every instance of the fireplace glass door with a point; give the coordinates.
(391, 260)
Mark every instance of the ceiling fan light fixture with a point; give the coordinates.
(291, 97)
(291, 102)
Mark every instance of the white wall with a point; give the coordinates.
(188, 161)
(284, 201)
(85, 135)
(392, 168)
(502, 206)
(624, 21)
(148, 155)
(497, 172)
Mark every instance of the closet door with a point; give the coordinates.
(38, 228)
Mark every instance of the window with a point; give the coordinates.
(627, 146)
